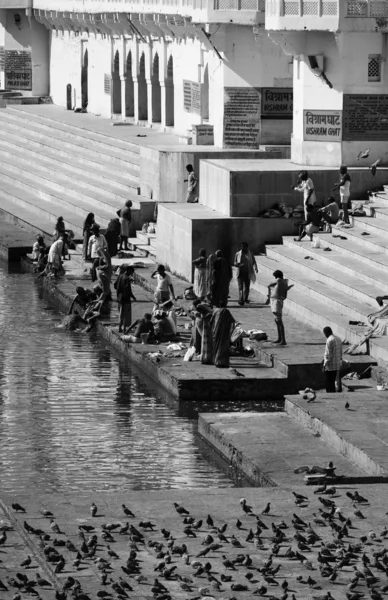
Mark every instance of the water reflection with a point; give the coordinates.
(74, 416)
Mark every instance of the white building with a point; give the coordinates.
(340, 77)
(164, 63)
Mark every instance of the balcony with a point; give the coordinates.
(301, 15)
(15, 4)
(244, 12)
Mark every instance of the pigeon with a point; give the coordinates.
(54, 527)
(347, 405)
(373, 167)
(239, 587)
(3, 538)
(126, 511)
(236, 373)
(363, 154)
(246, 508)
(267, 509)
(238, 524)
(180, 509)
(18, 508)
(26, 562)
(93, 510)
(209, 521)
(46, 513)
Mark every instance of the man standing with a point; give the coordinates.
(305, 185)
(246, 264)
(96, 241)
(192, 183)
(277, 293)
(332, 360)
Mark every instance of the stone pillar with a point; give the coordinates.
(135, 70)
(148, 74)
(123, 75)
(162, 79)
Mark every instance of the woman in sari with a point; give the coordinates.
(200, 275)
(222, 324)
(202, 333)
(87, 232)
(112, 236)
(221, 280)
(125, 217)
(59, 228)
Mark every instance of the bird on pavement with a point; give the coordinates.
(126, 511)
(26, 562)
(93, 509)
(18, 508)
(267, 509)
(180, 509)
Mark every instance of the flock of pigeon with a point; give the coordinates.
(323, 544)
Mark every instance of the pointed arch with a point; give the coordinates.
(84, 76)
(170, 92)
(129, 88)
(116, 85)
(142, 90)
(156, 91)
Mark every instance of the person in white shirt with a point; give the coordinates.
(96, 241)
(305, 185)
(164, 285)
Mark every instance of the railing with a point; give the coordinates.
(300, 8)
(374, 8)
(257, 5)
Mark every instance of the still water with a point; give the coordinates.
(74, 416)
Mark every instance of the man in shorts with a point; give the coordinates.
(277, 293)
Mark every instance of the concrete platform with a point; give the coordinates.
(15, 241)
(225, 509)
(359, 433)
(268, 447)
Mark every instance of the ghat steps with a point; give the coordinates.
(49, 168)
(339, 281)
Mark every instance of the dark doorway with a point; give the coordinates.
(142, 90)
(129, 97)
(170, 93)
(205, 94)
(116, 85)
(84, 80)
(69, 103)
(156, 92)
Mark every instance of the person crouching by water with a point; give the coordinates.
(54, 262)
(247, 267)
(165, 330)
(96, 241)
(277, 293)
(98, 308)
(40, 243)
(311, 225)
(123, 287)
(87, 232)
(200, 275)
(141, 327)
(164, 287)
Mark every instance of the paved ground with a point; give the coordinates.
(308, 563)
(268, 447)
(356, 423)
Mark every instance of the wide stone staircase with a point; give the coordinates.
(49, 168)
(339, 281)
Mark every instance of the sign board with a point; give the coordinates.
(203, 135)
(277, 102)
(192, 96)
(242, 110)
(18, 70)
(107, 83)
(365, 117)
(322, 125)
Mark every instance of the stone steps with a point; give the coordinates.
(116, 160)
(121, 149)
(326, 293)
(348, 283)
(352, 266)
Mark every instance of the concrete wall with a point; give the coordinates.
(163, 171)
(183, 229)
(30, 36)
(245, 192)
(346, 66)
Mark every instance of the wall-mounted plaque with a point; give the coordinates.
(107, 83)
(277, 102)
(365, 117)
(18, 70)
(322, 125)
(242, 108)
(192, 96)
(2, 58)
